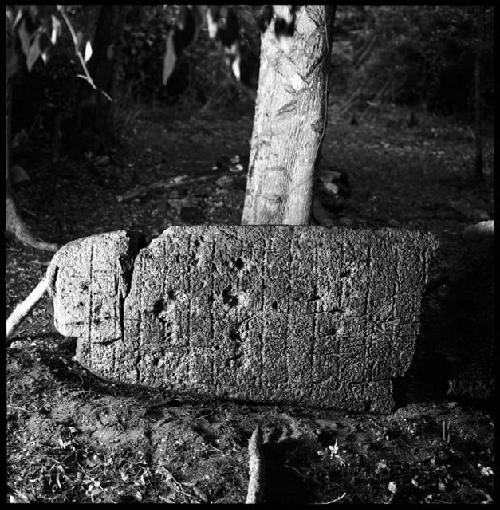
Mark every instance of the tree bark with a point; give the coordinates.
(290, 120)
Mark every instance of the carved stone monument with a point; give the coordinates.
(313, 315)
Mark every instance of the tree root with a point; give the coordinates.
(15, 226)
(22, 310)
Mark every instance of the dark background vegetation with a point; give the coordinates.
(416, 56)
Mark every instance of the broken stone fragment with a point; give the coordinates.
(313, 315)
(90, 280)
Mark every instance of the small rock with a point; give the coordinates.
(236, 168)
(332, 188)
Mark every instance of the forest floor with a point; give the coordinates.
(73, 437)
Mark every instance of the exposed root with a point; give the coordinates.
(15, 226)
(22, 310)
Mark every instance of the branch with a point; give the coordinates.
(336, 500)
(87, 76)
(171, 183)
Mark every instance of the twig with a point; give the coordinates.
(294, 469)
(332, 501)
(87, 76)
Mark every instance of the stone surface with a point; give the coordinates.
(312, 315)
(90, 280)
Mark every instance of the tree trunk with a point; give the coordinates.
(106, 47)
(95, 109)
(290, 120)
(478, 164)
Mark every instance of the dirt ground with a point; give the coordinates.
(73, 437)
